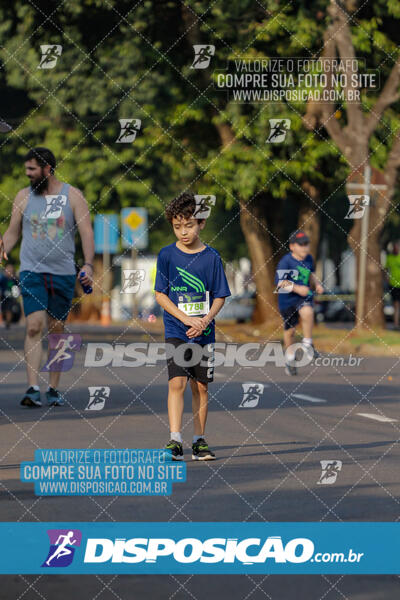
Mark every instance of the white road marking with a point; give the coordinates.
(308, 398)
(377, 417)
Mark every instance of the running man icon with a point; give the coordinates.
(98, 397)
(129, 129)
(63, 345)
(62, 348)
(62, 547)
(279, 128)
(202, 56)
(55, 204)
(357, 206)
(203, 206)
(50, 55)
(330, 471)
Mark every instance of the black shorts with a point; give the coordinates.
(204, 353)
(395, 293)
(290, 315)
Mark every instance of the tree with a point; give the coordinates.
(134, 61)
(362, 138)
(272, 188)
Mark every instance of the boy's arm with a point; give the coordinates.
(220, 290)
(167, 304)
(284, 268)
(316, 284)
(214, 310)
(301, 290)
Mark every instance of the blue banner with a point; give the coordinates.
(200, 548)
(106, 233)
(98, 472)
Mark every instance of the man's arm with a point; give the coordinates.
(82, 217)
(13, 233)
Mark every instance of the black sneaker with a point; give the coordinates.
(316, 353)
(201, 451)
(176, 449)
(4, 127)
(54, 398)
(31, 398)
(310, 351)
(290, 369)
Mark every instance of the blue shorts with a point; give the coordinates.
(44, 291)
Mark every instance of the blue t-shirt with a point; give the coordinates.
(295, 270)
(191, 281)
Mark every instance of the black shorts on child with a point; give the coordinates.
(194, 361)
(290, 315)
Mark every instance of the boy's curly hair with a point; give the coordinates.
(184, 205)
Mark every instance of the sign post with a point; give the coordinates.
(106, 234)
(134, 236)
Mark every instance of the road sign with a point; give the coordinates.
(106, 233)
(134, 228)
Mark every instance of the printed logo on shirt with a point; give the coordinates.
(41, 226)
(304, 275)
(191, 280)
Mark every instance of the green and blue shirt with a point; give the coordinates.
(192, 281)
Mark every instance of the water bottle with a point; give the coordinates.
(87, 289)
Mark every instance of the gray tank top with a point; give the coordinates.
(48, 232)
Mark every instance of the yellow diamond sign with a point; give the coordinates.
(133, 220)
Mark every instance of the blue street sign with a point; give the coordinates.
(106, 233)
(134, 228)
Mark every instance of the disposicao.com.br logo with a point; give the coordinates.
(191, 550)
(200, 547)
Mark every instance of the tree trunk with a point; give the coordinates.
(373, 300)
(353, 142)
(256, 234)
(309, 216)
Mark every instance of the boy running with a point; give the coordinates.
(191, 287)
(393, 273)
(294, 279)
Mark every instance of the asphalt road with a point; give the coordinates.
(267, 467)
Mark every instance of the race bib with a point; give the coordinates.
(194, 304)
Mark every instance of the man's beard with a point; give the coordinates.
(39, 185)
